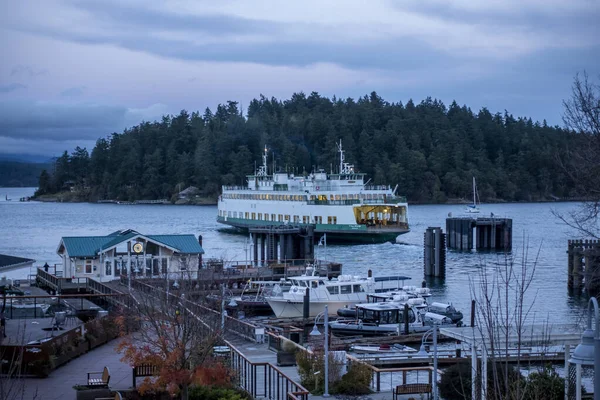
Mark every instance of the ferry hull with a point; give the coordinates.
(348, 236)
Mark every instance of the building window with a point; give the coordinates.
(260, 216)
(108, 268)
(88, 266)
(163, 265)
(253, 215)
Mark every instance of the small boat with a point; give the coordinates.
(7, 199)
(473, 208)
(255, 303)
(381, 349)
(387, 318)
(378, 319)
(446, 310)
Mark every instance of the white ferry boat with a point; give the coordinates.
(341, 205)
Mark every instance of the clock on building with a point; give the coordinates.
(138, 248)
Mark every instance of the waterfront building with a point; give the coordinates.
(127, 252)
(13, 262)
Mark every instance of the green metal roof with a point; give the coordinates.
(185, 244)
(85, 246)
(90, 246)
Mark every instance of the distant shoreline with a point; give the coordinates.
(67, 197)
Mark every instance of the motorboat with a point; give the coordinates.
(446, 310)
(388, 318)
(253, 301)
(378, 319)
(382, 349)
(345, 291)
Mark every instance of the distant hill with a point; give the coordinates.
(26, 158)
(20, 174)
(431, 151)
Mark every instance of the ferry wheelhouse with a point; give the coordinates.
(341, 205)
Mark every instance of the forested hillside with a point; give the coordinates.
(20, 174)
(430, 150)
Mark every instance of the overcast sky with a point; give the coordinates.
(72, 71)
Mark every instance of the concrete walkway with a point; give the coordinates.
(59, 385)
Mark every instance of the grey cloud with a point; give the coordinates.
(73, 92)
(11, 87)
(584, 24)
(41, 147)
(398, 55)
(119, 14)
(27, 71)
(59, 121)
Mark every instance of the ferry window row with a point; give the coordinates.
(305, 219)
(299, 197)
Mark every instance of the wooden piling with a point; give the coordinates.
(434, 252)
(583, 266)
(490, 233)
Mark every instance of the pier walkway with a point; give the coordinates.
(59, 385)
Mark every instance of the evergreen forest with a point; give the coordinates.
(430, 150)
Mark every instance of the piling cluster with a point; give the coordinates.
(490, 233)
(584, 266)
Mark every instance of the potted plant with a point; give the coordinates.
(84, 392)
(286, 356)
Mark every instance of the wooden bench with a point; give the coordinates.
(142, 371)
(412, 388)
(102, 381)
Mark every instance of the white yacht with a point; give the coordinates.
(337, 293)
(341, 205)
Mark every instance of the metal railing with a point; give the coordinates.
(262, 379)
(377, 372)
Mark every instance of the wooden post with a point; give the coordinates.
(427, 252)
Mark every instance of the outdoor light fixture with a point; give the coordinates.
(587, 353)
(423, 353)
(315, 332)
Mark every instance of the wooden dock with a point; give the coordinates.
(491, 233)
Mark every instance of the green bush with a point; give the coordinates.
(356, 382)
(456, 382)
(211, 393)
(545, 384)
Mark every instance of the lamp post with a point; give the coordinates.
(315, 332)
(588, 351)
(423, 352)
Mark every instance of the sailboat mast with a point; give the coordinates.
(474, 193)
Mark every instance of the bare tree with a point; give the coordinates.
(12, 351)
(581, 160)
(176, 335)
(503, 308)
